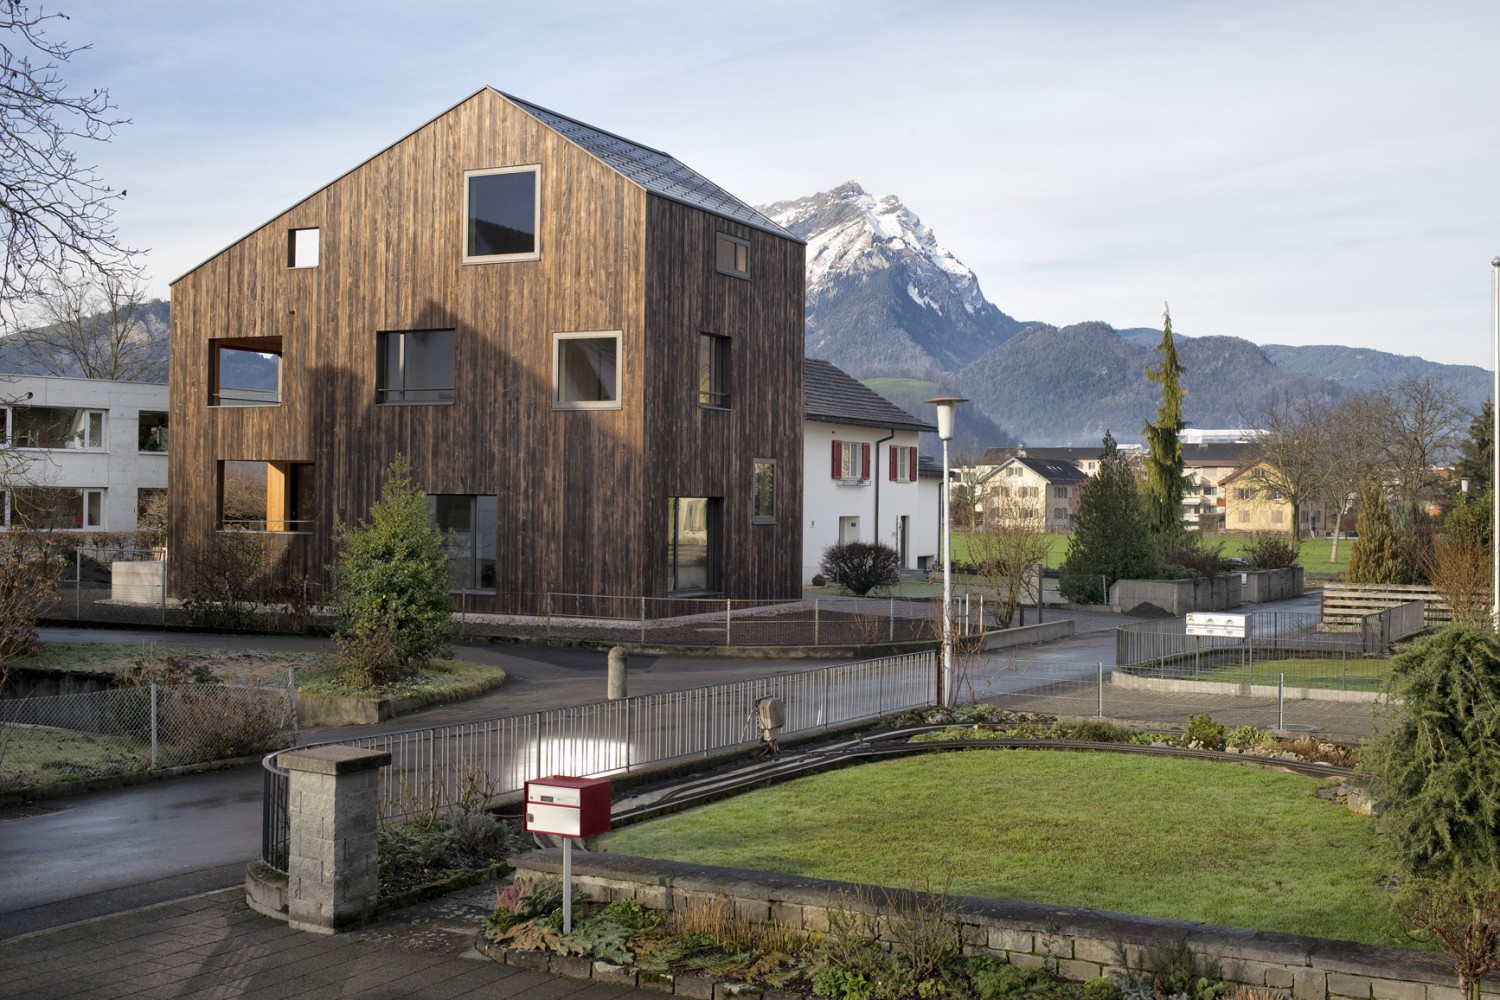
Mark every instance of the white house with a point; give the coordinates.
(82, 454)
(859, 471)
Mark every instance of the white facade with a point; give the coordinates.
(851, 494)
(84, 450)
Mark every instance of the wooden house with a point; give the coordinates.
(590, 354)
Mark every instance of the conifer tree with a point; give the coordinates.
(1376, 556)
(1476, 453)
(1110, 538)
(391, 585)
(1165, 481)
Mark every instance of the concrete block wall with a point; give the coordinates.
(333, 851)
(1075, 943)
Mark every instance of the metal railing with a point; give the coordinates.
(438, 769)
(1267, 632)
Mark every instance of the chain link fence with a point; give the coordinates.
(139, 728)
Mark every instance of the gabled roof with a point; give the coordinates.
(1057, 472)
(658, 172)
(835, 397)
(1242, 470)
(655, 171)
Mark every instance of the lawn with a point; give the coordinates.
(1313, 555)
(1194, 840)
(1337, 674)
(36, 756)
(315, 673)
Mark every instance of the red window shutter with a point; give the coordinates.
(838, 460)
(864, 461)
(911, 468)
(892, 475)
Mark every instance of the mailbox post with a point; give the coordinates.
(568, 808)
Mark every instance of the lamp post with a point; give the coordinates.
(945, 407)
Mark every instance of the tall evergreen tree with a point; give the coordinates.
(1110, 538)
(1376, 556)
(1165, 481)
(1476, 453)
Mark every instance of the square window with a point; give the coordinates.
(763, 506)
(302, 247)
(501, 208)
(851, 461)
(245, 371)
(732, 255)
(266, 496)
(415, 366)
(586, 371)
(713, 370)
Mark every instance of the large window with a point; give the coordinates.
(468, 524)
(763, 509)
(415, 366)
(713, 370)
(56, 427)
(43, 508)
(587, 371)
(732, 255)
(245, 371)
(692, 544)
(266, 496)
(501, 208)
(151, 431)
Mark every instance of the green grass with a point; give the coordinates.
(30, 757)
(442, 680)
(1313, 555)
(1194, 840)
(1335, 674)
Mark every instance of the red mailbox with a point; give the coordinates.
(567, 807)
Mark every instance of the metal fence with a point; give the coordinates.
(439, 769)
(142, 728)
(1267, 634)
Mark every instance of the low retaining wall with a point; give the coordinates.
(1078, 944)
(1132, 682)
(1023, 635)
(1258, 586)
(138, 582)
(1177, 596)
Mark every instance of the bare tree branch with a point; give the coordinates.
(56, 214)
(98, 328)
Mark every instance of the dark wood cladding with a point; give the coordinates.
(581, 495)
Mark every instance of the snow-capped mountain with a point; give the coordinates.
(883, 297)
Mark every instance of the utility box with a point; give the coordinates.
(567, 807)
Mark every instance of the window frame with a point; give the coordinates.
(758, 515)
(536, 214)
(741, 251)
(160, 430)
(856, 466)
(383, 389)
(89, 416)
(252, 345)
(297, 250)
(90, 498)
(713, 541)
(484, 521)
(558, 403)
(715, 373)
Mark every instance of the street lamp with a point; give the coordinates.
(945, 407)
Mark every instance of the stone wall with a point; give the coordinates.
(1178, 596)
(1075, 943)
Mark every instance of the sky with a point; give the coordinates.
(1305, 172)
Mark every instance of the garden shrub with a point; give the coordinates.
(1272, 552)
(1204, 732)
(860, 567)
(819, 580)
(1196, 559)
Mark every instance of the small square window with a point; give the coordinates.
(713, 370)
(501, 208)
(732, 255)
(586, 371)
(245, 371)
(302, 248)
(763, 509)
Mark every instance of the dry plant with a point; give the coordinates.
(1462, 913)
(921, 924)
(1459, 565)
(716, 918)
(30, 566)
(1243, 992)
(1007, 548)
